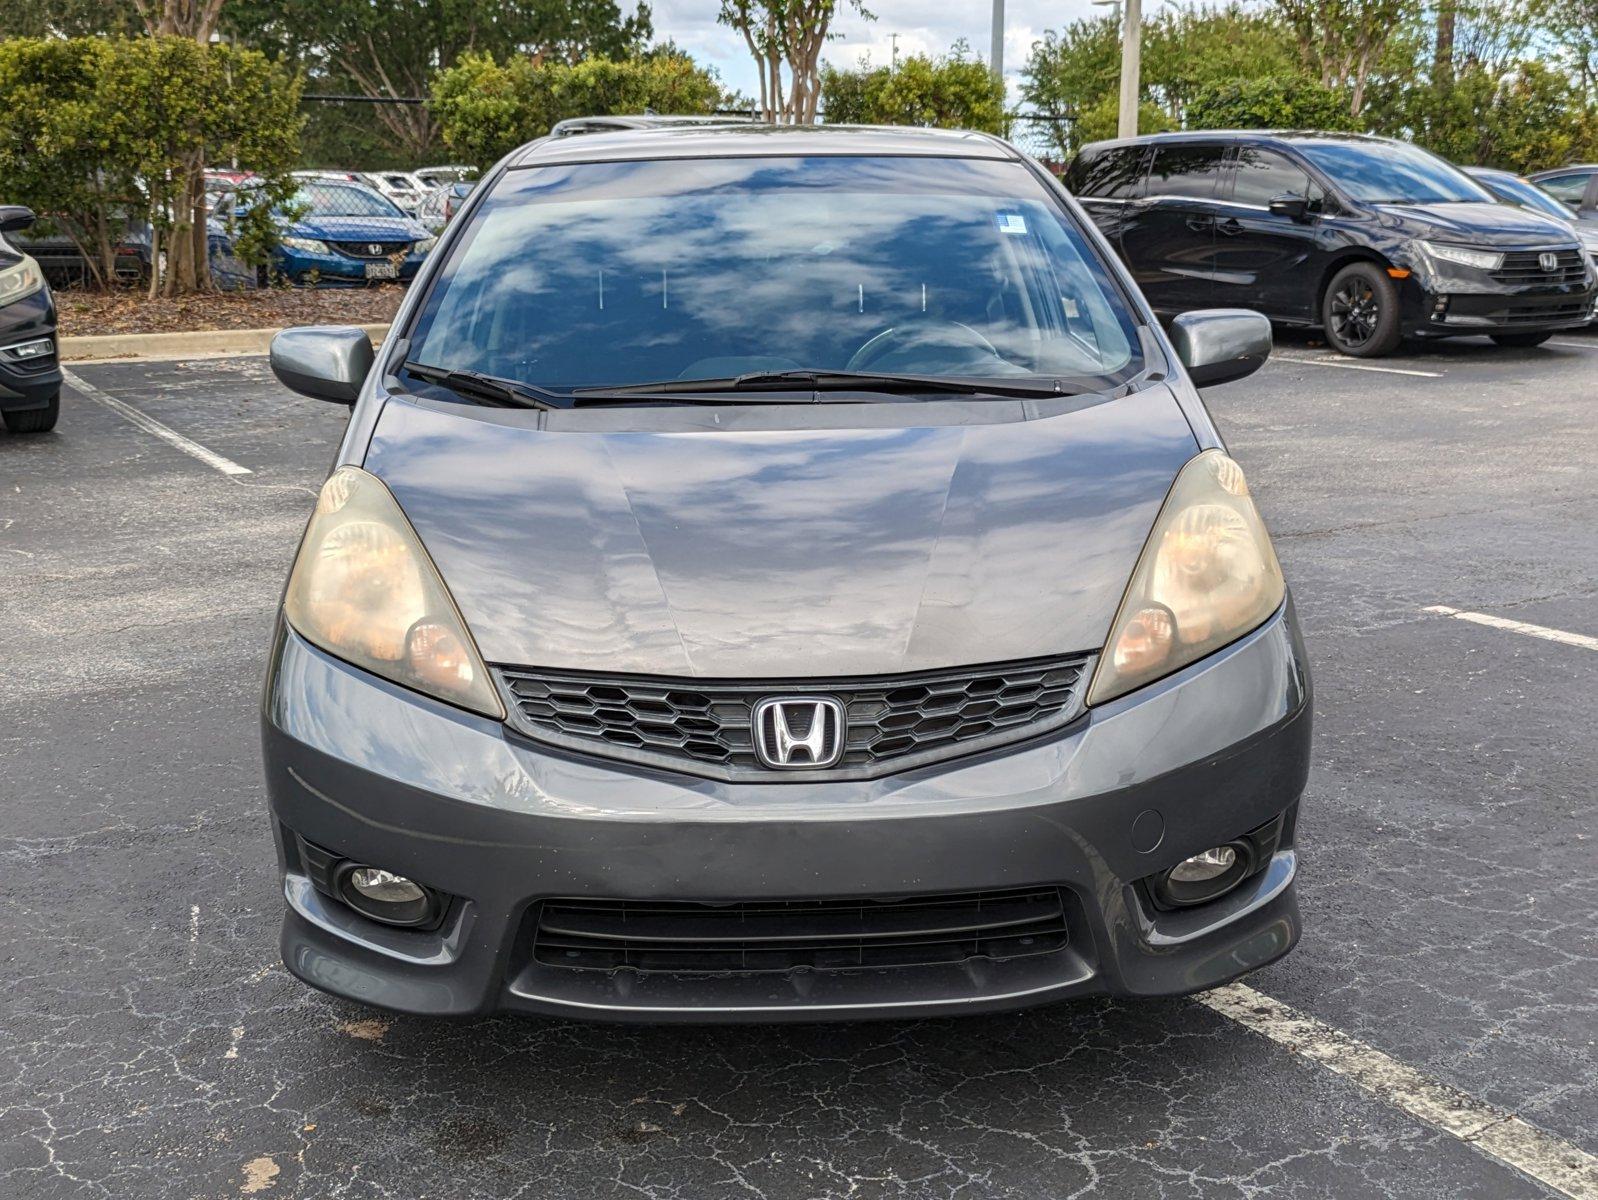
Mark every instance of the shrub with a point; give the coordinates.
(953, 92)
(1271, 102)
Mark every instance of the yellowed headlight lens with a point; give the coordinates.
(363, 588)
(1207, 575)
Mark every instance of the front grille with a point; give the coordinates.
(704, 726)
(371, 250)
(685, 937)
(1521, 267)
(1540, 314)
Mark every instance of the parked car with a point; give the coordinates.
(441, 205)
(406, 191)
(30, 373)
(1575, 186)
(1366, 238)
(438, 176)
(1517, 190)
(345, 233)
(781, 584)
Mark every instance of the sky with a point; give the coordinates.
(923, 26)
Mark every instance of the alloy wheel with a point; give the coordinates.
(1355, 312)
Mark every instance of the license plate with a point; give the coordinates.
(382, 271)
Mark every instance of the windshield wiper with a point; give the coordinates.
(828, 381)
(474, 385)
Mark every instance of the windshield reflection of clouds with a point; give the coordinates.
(627, 272)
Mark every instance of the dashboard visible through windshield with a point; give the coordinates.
(621, 273)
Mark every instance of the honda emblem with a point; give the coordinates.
(792, 732)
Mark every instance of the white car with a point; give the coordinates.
(402, 187)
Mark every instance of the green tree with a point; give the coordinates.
(952, 92)
(390, 49)
(787, 34)
(1524, 119)
(1341, 42)
(96, 131)
(486, 109)
(1272, 102)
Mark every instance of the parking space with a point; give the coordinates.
(157, 1048)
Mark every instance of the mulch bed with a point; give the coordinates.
(83, 313)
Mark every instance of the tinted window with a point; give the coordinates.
(1393, 173)
(628, 272)
(1108, 174)
(1567, 189)
(1263, 174)
(1186, 171)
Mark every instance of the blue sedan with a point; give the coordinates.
(343, 233)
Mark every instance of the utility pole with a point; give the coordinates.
(1131, 62)
(1131, 66)
(997, 59)
(893, 54)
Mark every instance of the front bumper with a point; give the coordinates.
(28, 383)
(382, 776)
(302, 266)
(1457, 307)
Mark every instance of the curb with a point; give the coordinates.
(200, 344)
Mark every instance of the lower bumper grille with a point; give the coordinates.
(1528, 314)
(684, 937)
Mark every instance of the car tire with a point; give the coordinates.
(1359, 312)
(1526, 340)
(34, 420)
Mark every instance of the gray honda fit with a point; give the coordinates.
(781, 574)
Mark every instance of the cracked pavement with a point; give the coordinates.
(152, 1045)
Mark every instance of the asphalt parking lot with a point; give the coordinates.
(153, 1045)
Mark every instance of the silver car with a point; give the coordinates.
(781, 574)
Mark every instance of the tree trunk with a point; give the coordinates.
(1443, 60)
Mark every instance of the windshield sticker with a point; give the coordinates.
(1012, 223)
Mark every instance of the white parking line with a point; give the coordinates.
(1348, 366)
(1567, 1169)
(1537, 631)
(1574, 345)
(150, 425)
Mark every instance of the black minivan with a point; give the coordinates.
(1367, 238)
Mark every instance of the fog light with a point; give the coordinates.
(1202, 868)
(42, 348)
(386, 897)
(1440, 308)
(387, 888)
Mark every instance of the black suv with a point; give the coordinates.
(1368, 238)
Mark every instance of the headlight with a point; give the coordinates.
(312, 245)
(1465, 256)
(424, 246)
(364, 589)
(1207, 576)
(20, 280)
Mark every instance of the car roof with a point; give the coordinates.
(1565, 170)
(1280, 137)
(1489, 173)
(710, 140)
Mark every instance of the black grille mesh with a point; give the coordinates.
(695, 721)
(1525, 266)
(685, 937)
(365, 249)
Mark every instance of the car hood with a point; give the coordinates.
(1489, 225)
(360, 229)
(728, 546)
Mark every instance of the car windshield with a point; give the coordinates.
(618, 273)
(1528, 195)
(1391, 173)
(338, 200)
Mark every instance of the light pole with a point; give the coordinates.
(997, 60)
(1131, 63)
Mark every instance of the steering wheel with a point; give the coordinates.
(931, 333)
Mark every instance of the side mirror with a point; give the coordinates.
(1290, 204)
(1218, 345)
(324, 362)
(14, 218)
